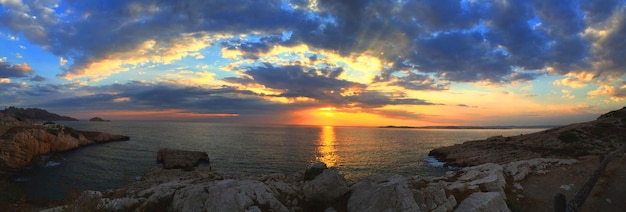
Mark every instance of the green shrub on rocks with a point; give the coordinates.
(568, 137)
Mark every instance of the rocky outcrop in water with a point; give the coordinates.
(181, 159)
(478, 188)
(21, 142)
(600, 136)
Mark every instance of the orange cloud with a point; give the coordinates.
(150, 51)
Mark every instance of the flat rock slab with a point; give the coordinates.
(181, 159)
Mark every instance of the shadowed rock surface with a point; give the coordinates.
(181, 159)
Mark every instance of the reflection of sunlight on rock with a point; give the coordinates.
(326, 148)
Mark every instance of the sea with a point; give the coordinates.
(356, 152)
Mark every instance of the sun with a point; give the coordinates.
(327, 111)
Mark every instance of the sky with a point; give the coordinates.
(317, 62)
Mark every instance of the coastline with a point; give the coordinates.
(521, 173)
(514, 182)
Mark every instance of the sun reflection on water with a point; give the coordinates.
(326, 148)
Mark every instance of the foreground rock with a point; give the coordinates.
(326, 186)
(595, 137)
(181, 159)
(483, 202)
(21, 142)
(478, 188)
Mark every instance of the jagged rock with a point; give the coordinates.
(314, 169)
(227, 195)
(378, 193)
(433, 197)
(483, 202)
(325, 187)
(121, 204)
(486, 178)
(173, 159)
(520, 169)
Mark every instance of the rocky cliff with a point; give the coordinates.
(21, 142)
(594, 137)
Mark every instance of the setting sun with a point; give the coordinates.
(327, 111)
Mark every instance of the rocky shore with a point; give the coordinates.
(519, 173)
(22, 141)
(597, 137)
(317, 188)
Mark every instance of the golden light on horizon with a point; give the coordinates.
(326, 148)
(327, 111)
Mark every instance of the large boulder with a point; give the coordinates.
(483, 202)
(327, 187)
(181, 159)
(379, 193)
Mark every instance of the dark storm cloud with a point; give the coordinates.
(441, 15)
(14, 71)
(599, 10)
(298, 81)
(608, 53)
(38, 78)
(144, 96)
(320, 84)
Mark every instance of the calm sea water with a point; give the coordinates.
(356, 151)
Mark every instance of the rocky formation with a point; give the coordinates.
(21, 142)
(35, 114)
(96, 119)
(484, 202)
(595, 137)
(181, 159)
(478, 188)
(325, 186)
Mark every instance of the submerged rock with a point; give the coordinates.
(181, 159)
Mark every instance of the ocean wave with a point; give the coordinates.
(52, 164)
(22, 179)
(432, 161)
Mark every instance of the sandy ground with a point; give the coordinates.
(538, 191)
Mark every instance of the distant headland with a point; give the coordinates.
(469, 127)
(35, 114)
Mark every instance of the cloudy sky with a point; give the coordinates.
(317, 62)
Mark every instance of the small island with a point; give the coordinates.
(98, 119)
